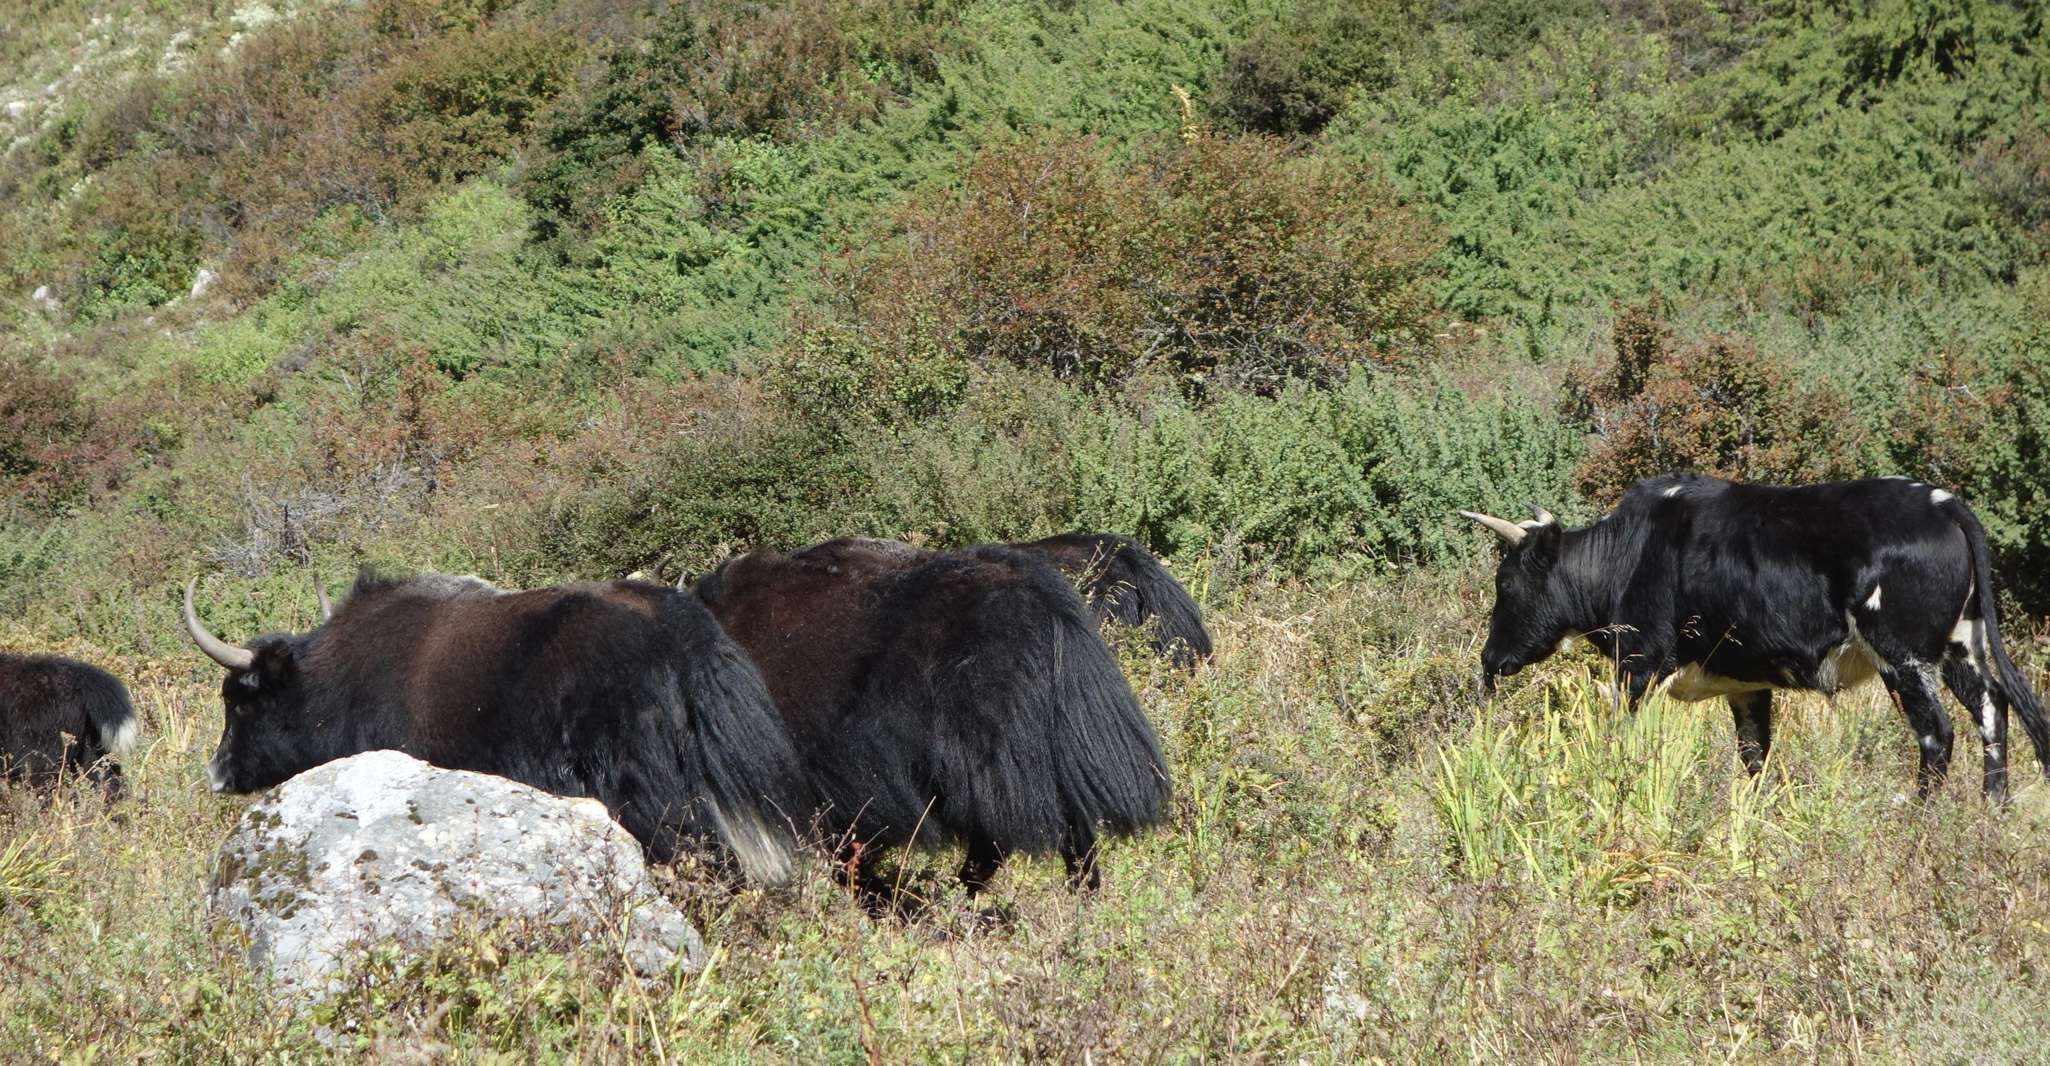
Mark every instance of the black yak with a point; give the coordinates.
(952, 697)
(626, 692)
(1714, 588)
(59, 717)
(1125, 583)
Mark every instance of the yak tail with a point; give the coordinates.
(1134, 586)
(1073, 751)
(1107, 759)
(2005, 676)
(741, 757)
(105, 702)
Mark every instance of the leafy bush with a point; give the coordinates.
(1292, 75)
(1715, 405)
(1225, 261)
(446, 112)
(55, 447)
(726, 68)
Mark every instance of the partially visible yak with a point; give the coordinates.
(626, 692)
(62, 717)
(1125, 583)
(951, 697)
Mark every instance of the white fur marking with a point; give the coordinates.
(1872, 601)
(1939, 496)
(1929, 741)
(1692, 684)
(1672, 492)
(1989, 723)
(122, 741)
(214, 779)
(1851, 663)
(763, 857)
(1568, 642)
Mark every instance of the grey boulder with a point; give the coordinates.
(381, 848)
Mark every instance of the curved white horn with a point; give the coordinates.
(1507, 530)
(1543, 516)
(327, 607)
(218, 650)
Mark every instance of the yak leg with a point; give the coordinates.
(1079, 852)
(1982, 699)
(985, 857)
(1753, 713)
(1912, 687)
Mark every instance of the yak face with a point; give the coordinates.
(1532, 614)
(266, 738)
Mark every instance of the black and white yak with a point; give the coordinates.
(61, 717)
(1712, 588)
(626, 692)
(947, 697)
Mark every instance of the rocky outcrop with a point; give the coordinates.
(381, 848)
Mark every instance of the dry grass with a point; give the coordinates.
(1362, 864)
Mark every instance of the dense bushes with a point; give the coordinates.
(55, 447)
(1289, 281)
(1292, 75)
(1715, 405)
(1219, 261)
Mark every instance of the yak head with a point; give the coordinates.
(267, 737)
(1533, 610)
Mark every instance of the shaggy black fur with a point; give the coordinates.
(1125, 583)
(956, 697)
(627, 692)
(62, 717)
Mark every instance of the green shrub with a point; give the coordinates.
(1292, 75)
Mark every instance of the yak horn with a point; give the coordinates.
(1543, 516)
(218, 650)
(1507, 530)
(327, 607)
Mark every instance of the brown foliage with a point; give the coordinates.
(55, 446)
(1716, 405)
(1221, 260)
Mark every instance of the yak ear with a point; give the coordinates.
(276, 665)
(1543, 544)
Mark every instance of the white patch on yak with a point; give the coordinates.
(122, 740)
(1989, 724)
(1939, 496)
(1568, 642)
(1672, 492)
(1850, 663)
(1692, 684)
(1872, 601)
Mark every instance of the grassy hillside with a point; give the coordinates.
(553, 289)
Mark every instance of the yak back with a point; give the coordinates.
(44, 699)
(1774, 567)
(944, 696)
(465, 676)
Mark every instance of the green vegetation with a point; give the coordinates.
(553, 289)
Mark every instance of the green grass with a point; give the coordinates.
(1361, 863)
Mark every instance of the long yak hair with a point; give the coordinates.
(1127, 584)
(954, 697)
